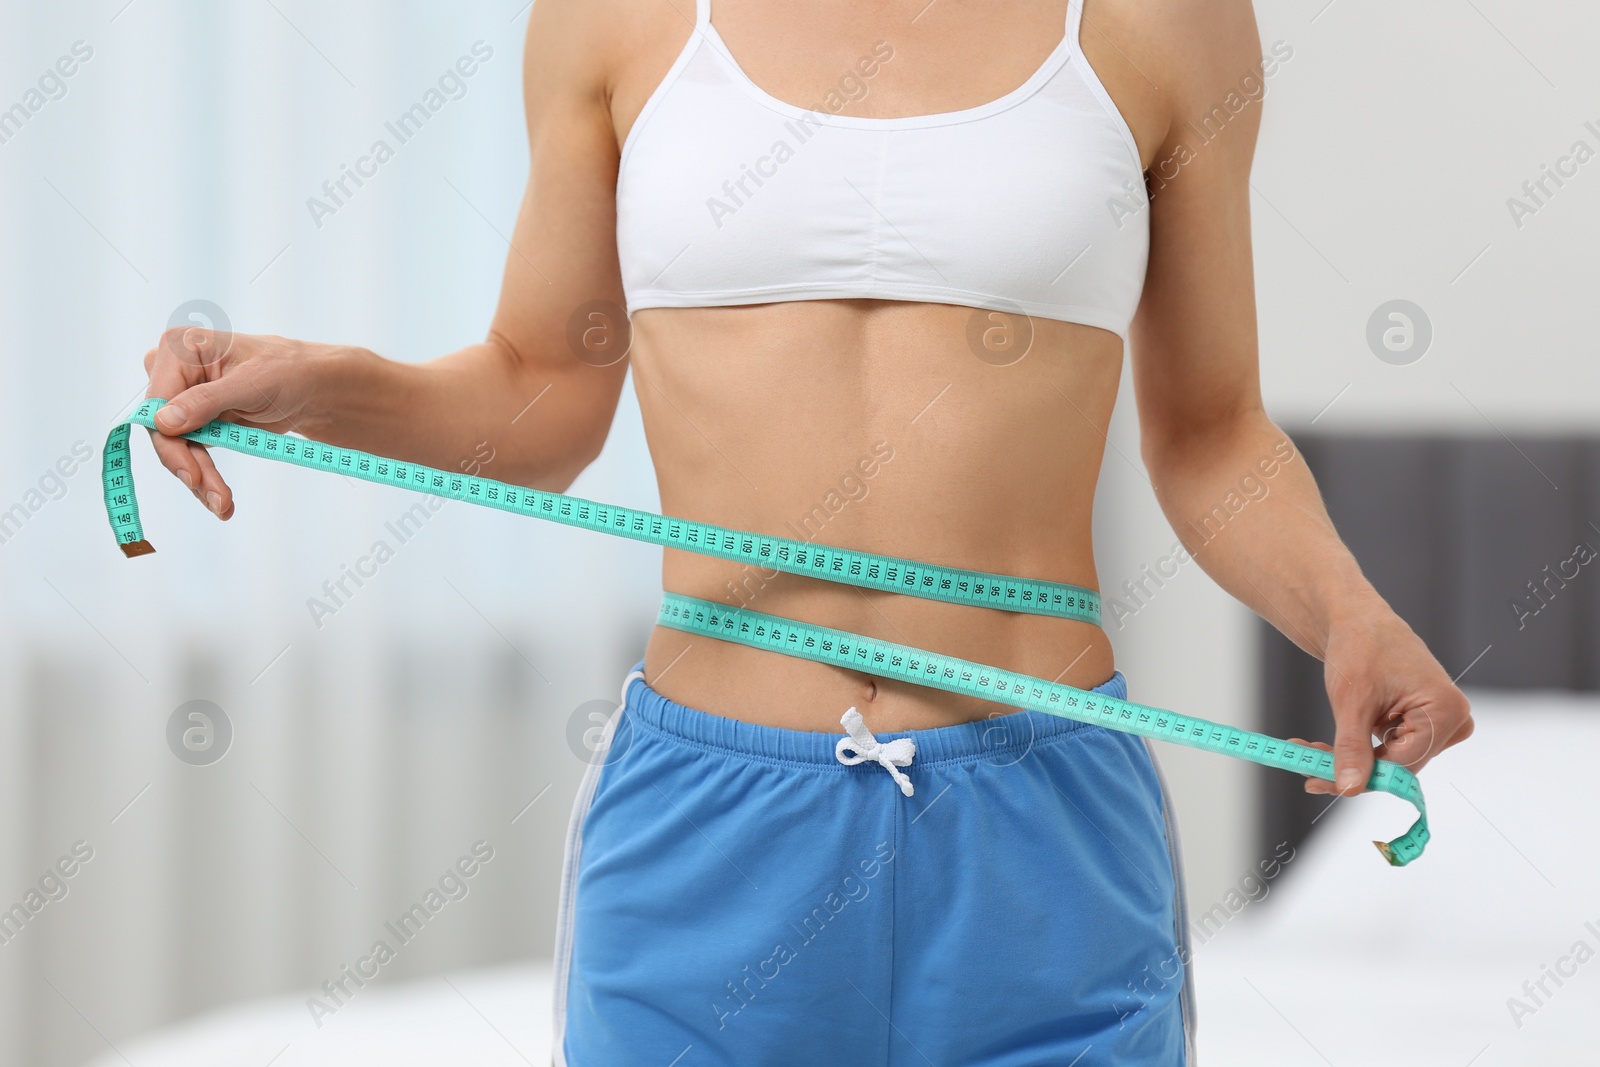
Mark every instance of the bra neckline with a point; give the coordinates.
(1045, 71)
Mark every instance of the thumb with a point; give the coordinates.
(194, 407)
(1352, 750)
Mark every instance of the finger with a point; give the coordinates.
(1422, 733)
(212, 490)
(188, 370)
(180, 363)
(1457, 718)
(1352, 751)
(1409, 739)
(191, 464)
(1314, 783)
(173, 368)
(175, 455)
(199, 404)
(197, 347)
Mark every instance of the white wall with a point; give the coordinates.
(1390, 144)
(420, 718)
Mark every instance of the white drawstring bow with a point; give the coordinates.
(861, 746)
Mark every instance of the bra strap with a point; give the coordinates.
(702, 13)
(1074, 18)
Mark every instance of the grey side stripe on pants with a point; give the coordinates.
(571, 856)
(1180, 909)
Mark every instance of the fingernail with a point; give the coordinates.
(172, 416)
(214, 502)
(1349, 779)
(187, 480)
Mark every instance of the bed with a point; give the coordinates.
(1344, 960)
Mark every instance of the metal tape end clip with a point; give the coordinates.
(137, 548)
(1388, 853)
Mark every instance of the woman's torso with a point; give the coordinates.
(927, 430)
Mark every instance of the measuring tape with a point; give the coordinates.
(775, 553)
(803, 640)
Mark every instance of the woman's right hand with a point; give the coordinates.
(256, 380)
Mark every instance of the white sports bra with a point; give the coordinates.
(1034, 202)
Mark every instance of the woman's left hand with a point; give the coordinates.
(1384, 684)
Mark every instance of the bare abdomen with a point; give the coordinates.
(886, 427)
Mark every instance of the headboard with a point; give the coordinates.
(1488, 546)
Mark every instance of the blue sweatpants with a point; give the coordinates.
(736, 896)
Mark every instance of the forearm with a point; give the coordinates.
(1247, 509)
(479, 408)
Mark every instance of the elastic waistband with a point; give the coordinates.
(1013, 732)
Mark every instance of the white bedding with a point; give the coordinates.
(487, 1018)
(1347, 962)
(1350, 961)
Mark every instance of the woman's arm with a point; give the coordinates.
(1228, 479)
(442, 412)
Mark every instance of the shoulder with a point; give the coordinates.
(1183, 60)
(595, 44)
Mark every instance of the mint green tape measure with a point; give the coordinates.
(803, 640)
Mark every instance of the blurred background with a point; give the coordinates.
(1426, 199)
